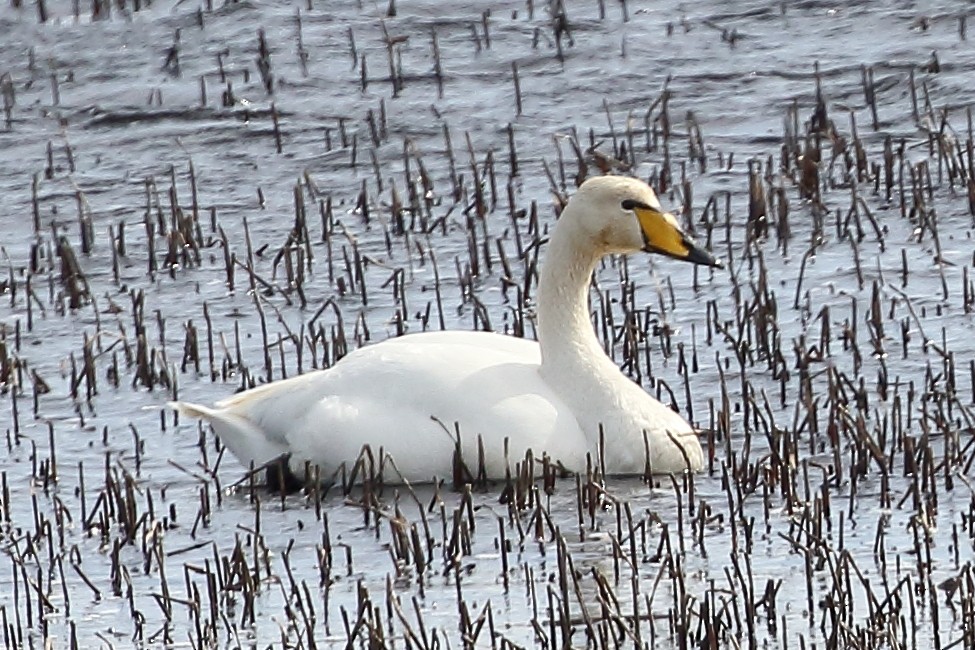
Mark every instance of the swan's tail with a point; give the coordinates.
(193, 410)
(244, 438)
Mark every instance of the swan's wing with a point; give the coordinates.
(409, 396)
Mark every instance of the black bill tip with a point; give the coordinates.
(698, 255)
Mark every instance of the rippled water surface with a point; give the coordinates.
(832, 360)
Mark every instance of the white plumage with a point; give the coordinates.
(407, 394)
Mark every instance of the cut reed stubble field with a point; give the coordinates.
(196, 199)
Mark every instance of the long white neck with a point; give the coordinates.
(568, 345)
(574, 365)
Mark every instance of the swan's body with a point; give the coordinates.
(406, 395)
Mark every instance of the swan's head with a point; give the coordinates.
(622, 215)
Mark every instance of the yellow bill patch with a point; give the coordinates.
(661, 232)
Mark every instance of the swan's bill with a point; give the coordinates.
(662, 234)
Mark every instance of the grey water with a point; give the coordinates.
(115, 119)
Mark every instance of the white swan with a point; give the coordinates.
(551, 397)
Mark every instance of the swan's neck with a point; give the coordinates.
(565, 334)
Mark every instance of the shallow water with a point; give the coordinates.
(118, 119)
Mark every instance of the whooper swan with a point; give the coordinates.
(406, 395)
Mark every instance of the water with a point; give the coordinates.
(118, 119)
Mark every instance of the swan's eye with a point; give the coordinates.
(630, 204)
